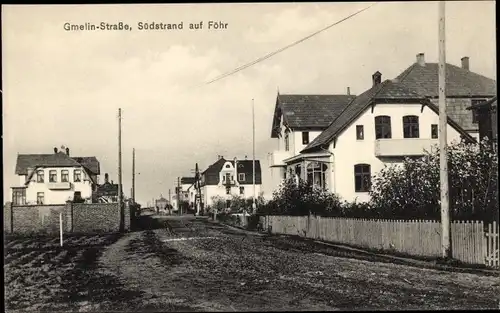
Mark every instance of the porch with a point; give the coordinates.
(313, 168)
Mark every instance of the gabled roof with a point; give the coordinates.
(107, 189)
(25, 161)
(90, 163)
(244, 166)
(385, 92)
(460, 82)
(307, 111)
(490, 103)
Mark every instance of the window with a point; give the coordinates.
(434, 131)
(362, 177)
(19, 196)
(242, 190)
(40, 176)
(228, 204)
(40, 198)
(287, 141)
(382, 127)
(241, 176)
(224, 178)
(316, 174)
(52, 176)
(305, 138)
(410, 126)
(360, 134)
(77, 176)
(228, 190)
(64, 176)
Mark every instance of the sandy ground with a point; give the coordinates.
(197, 265)
(187, 264)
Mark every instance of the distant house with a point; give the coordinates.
(464, 88)
(486, 115)
(298, 119)
(54, 178)
(227, 178)
(106, 192)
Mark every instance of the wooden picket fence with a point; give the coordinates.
(470, 242)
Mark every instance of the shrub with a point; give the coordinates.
(301, 198)
(413, 189)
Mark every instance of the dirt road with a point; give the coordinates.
(191, 264)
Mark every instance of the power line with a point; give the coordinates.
(267, 56)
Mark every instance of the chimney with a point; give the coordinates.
(55, 149)
(106, 178)
(111, 182)
(246, 158)
(377, 78)
(67, 151)
(421, 59)
(348, 91)
(465, 63)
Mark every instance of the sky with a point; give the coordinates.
(65, 87)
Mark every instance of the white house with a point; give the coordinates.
(379, 127)
(298, 120)
(54, 178)
(391, 120)
(227, 178)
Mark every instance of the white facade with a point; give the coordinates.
(210, 191)
(57, 191)
(237, 188)
(349, 151)
(285, 151)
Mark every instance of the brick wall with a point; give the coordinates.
(77, 217)
(96, 217)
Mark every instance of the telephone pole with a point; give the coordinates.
(179, 208)
(133, 175)
(120, 198)
(254, 205)
(443, 122)
(198, 193)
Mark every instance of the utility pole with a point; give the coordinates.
(133, 175)
(254, 205)
(120, 193)
(198, 193)
(443, 122)
(179, 208)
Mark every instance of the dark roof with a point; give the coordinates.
(107, 189)
(187, 180)
(244, 166)
(385, 92)
(489, 103)
(459, 82)
(307, 111)
(25, 161)
(89, 163)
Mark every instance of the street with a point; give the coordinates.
(193, 264)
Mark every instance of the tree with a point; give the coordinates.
(412, 190)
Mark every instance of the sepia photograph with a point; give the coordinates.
(200, 157)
